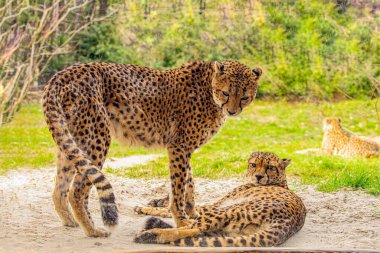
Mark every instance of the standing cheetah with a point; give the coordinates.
(336, 141)
(179, 109)
(263, 212)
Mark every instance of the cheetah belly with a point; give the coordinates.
(133, 136)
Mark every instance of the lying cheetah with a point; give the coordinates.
(263, 212)
(337, 141)
(179, 109)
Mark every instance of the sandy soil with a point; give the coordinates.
(28, 222)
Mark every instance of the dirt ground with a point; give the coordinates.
(28, 222)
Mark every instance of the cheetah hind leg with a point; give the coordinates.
(77, 197)
(189, 196)
(273, 235)
(261, 239)
(65, 174)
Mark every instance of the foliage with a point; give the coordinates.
(278, 127)
(307, 48)
(31, 34)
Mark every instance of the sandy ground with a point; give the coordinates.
(28, 222)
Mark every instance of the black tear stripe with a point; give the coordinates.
(228, 98)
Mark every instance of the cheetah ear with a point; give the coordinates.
(218, 67)
(257, 71)
(286, 162)
(339, 120)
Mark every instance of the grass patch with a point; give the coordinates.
(27, 143)
(284, 128)
(279, 127)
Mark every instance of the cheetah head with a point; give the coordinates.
(234, 86)
(331, 123)
(267, 169)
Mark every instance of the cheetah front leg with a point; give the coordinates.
(159, 235)
(327, 147)
(213, 221)
(190, 209)
(179, 175)
(153, 211)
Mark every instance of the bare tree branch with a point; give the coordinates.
(30, 36)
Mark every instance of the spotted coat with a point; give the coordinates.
(261, 213)
(337, 141)
(178, 109)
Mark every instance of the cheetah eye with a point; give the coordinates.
(253, 165)
(244, 98)
(225, 93)
(270, 167)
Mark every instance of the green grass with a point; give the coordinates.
(278, 127)
(26, 142)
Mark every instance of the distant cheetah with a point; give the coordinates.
(336, 141)
(263, 212)
(179, 109)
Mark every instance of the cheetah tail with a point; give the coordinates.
(58, 127)
(260, 239)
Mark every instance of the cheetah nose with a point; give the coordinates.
(259, 177)
(231, 113)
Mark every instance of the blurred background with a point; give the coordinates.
(316, 49)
